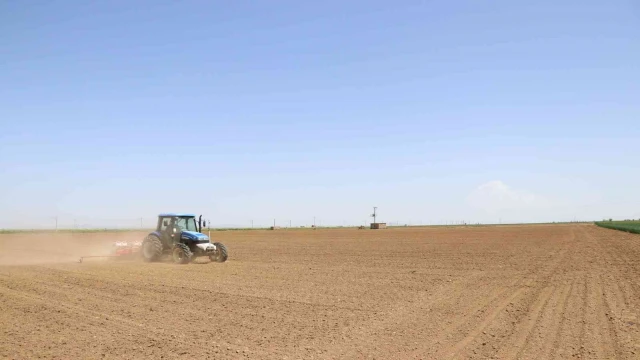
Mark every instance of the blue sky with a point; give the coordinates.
(434, 111)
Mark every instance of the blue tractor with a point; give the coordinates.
(180, 235)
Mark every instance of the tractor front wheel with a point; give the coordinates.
(182, 254)
(221, 254)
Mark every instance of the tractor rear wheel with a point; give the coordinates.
(151, 248)
(182, 254)
(221, 254)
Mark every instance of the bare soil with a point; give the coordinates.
(503, 292)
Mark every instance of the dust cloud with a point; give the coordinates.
(58, 247)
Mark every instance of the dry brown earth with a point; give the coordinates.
(504, 292)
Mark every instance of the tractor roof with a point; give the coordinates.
(178, 215)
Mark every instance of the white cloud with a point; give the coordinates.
(496, 196)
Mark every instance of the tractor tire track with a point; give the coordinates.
(528, 288)
(534, 316)
(550, 334)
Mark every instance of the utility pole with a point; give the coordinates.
(289, 224)
(274, 223)
(374, 214)
(314, 221)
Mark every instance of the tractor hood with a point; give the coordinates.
(194, 236)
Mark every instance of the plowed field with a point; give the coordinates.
(504, 292)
